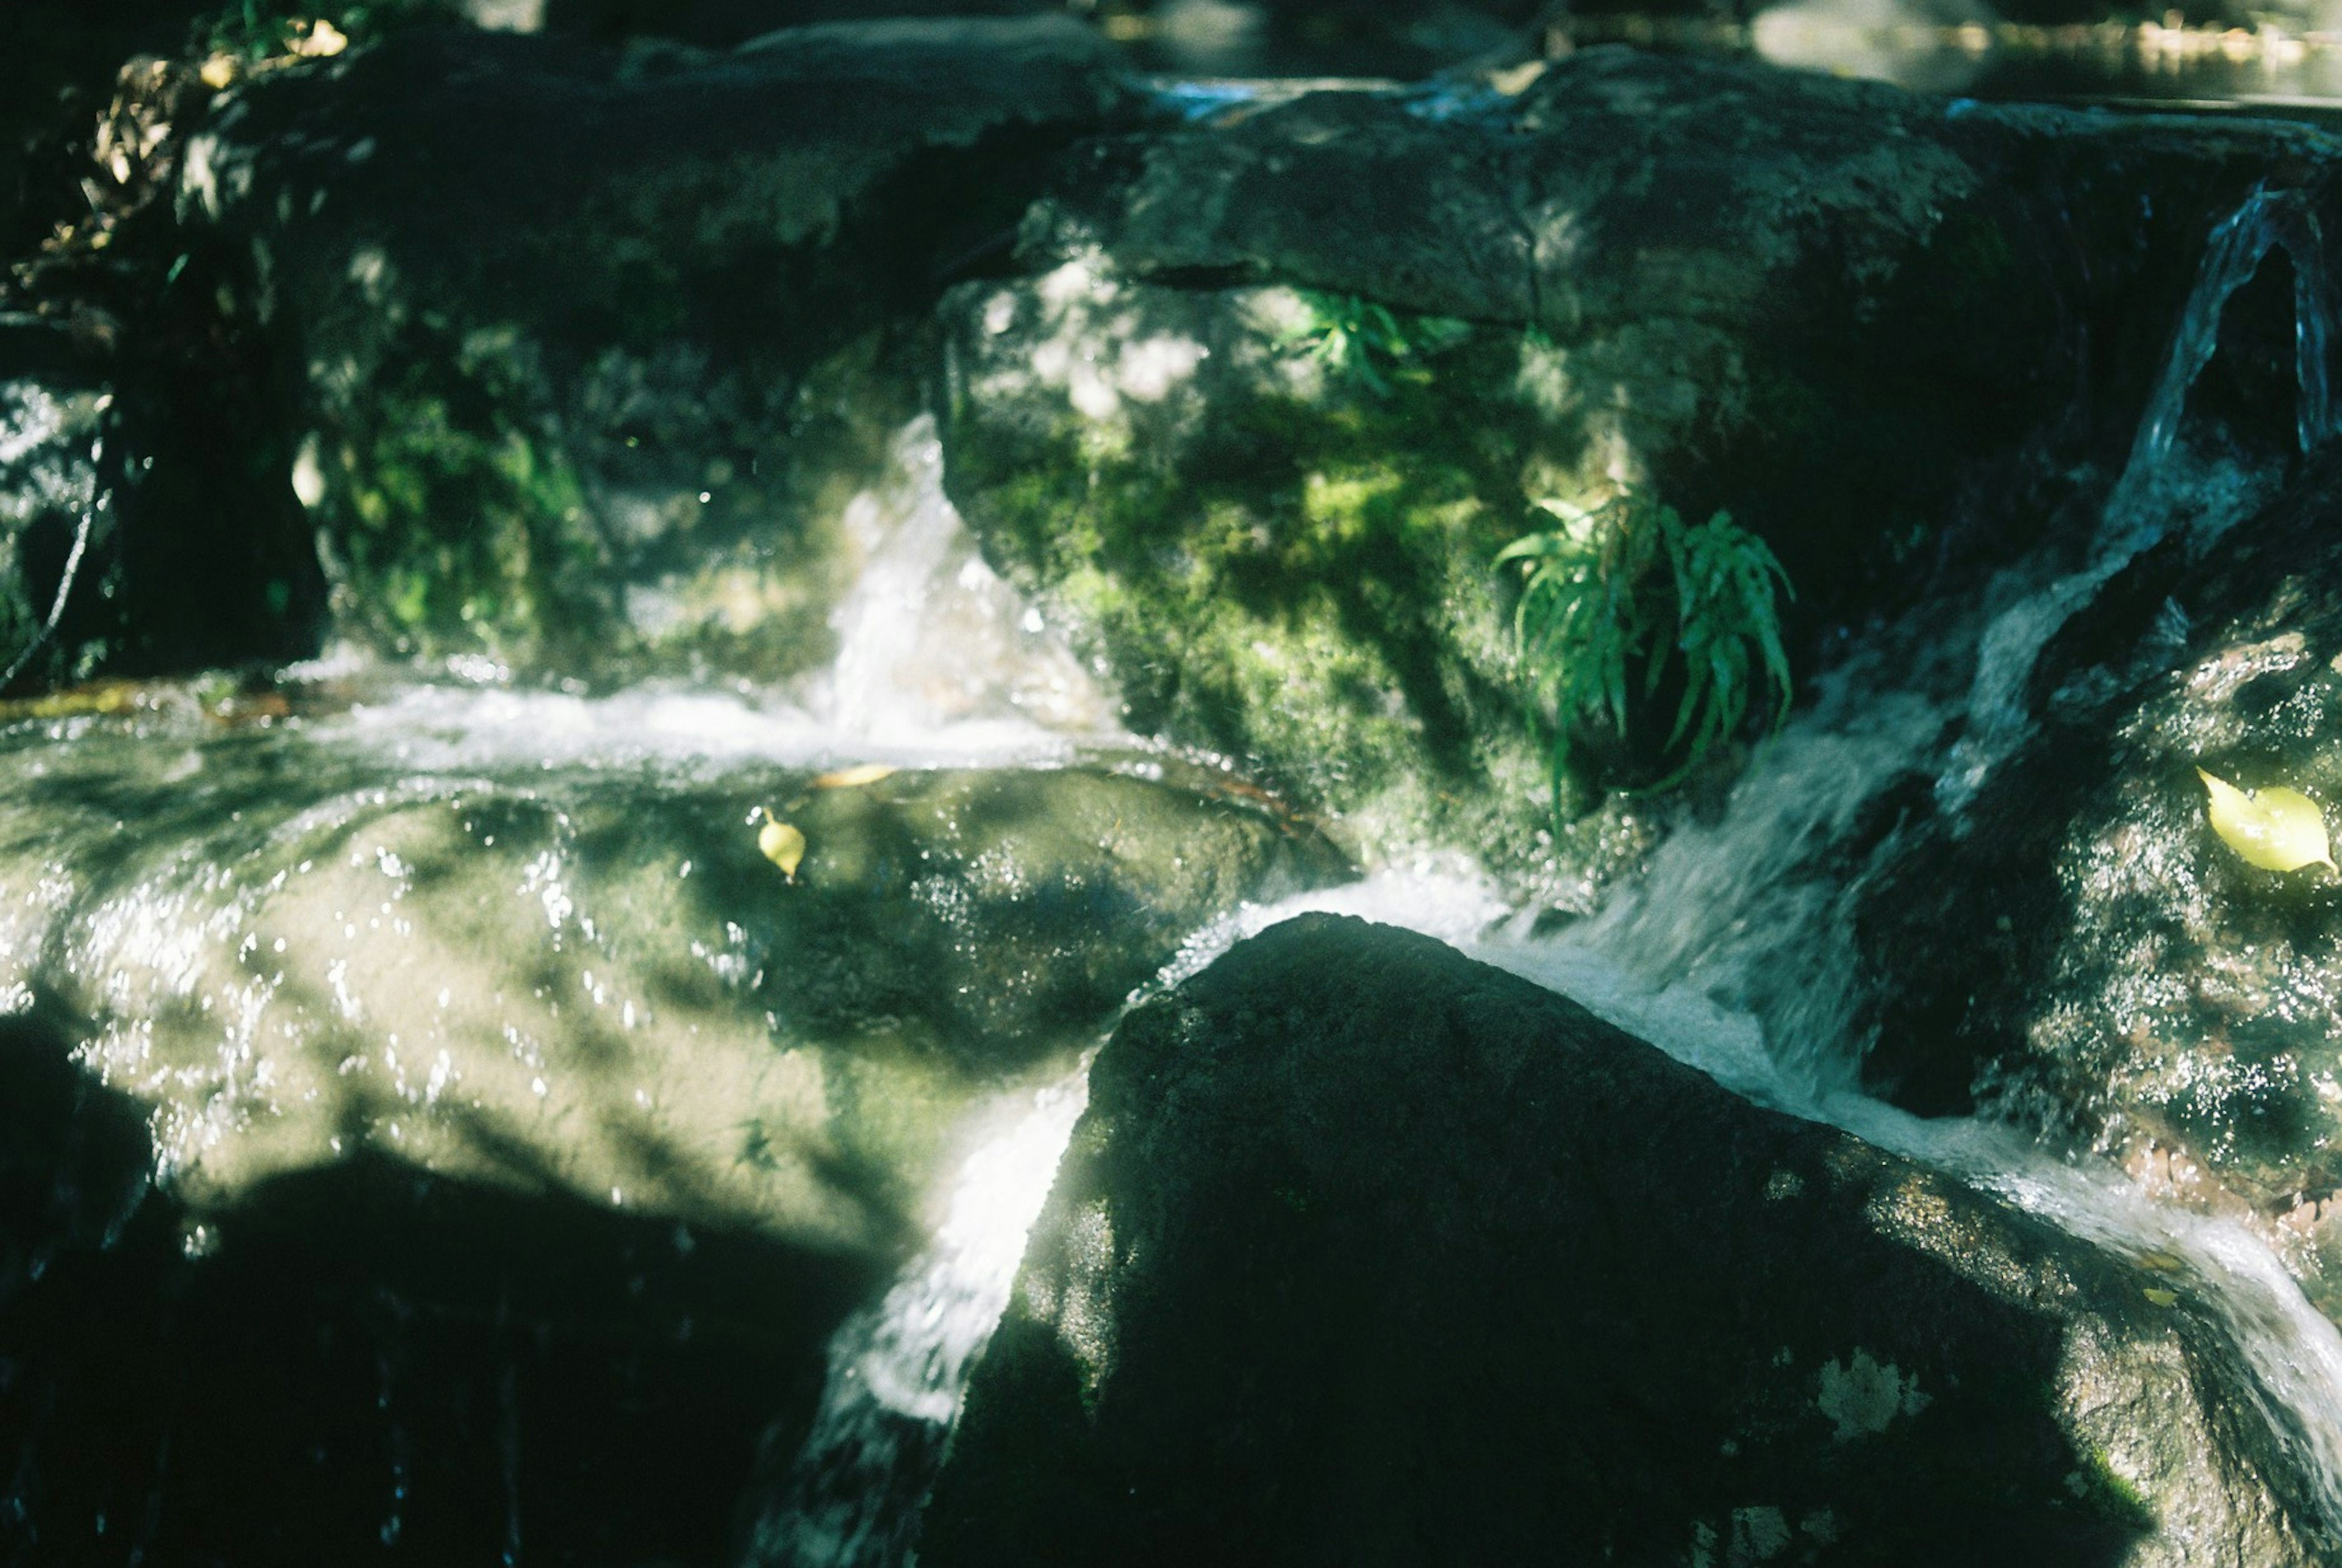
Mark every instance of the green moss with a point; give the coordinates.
(461, 528)
(1307, 586)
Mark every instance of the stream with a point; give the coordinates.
(516, 958)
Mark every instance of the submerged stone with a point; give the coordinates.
(1365, 1253)
(587, 977)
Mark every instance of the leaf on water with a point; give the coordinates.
(854, 777)
(781, 844)
(2277, 829)
(2161, 1297)
(2162, 1263)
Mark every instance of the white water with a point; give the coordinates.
(1735, 953)
(939, 663)
(897, 1370)
(2168, 485)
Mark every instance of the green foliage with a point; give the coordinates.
(1628, 590)
(257, 30)
(464, 523)
(1360, 341)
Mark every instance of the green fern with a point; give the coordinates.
(1628, 590)
(1360, 341)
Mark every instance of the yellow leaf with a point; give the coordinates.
(325, 39)
(854, 777)
(219, 71)
(2161, 1297)
(2277, 829)
(781, 844)
(2162, 1263)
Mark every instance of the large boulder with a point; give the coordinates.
(1365, 1253)
(2076, 945)
(297, 947)
(1276, 385)
(587, 347)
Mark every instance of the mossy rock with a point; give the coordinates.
(590, 350)
(1286, 554)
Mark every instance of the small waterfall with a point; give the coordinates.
(2268, 220)
(2164, 485)
(929, 637)
(897, 1370)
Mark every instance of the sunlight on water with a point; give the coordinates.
(898, 1370)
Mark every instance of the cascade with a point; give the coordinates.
(2166, 484)
(1734, 952)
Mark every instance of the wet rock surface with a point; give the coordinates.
(559, 317)
(1886, 334)
(1366, 1253)
(2079, 946)
(587, 979)
(367, 1364)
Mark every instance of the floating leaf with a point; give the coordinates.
(2277, 829)
(2160, 1296)
(854, 777)
(2162, 1263)
(781, 844)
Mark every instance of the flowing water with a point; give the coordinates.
(1734, 952)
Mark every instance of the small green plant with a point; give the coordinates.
(1361, 341)
(1628, 590)
(256, 31)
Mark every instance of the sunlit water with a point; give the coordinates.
(1734, 952)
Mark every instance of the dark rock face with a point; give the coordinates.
(560, 316)
(362, 1366)
(1365, 1253)
(2079, 945)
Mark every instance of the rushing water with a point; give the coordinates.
(1734, 951)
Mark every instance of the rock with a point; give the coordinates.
(584, 978)
(584, 342)
(2118, 974)
(1853, 318)
(364, 1360)
(724, 23)
(1365, 1253)
(51, 414)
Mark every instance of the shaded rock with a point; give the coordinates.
(371, 1365)
(52, 415)
(577, 332)
(2078, 946)
(295, 948)
(1886, 335)
(1365, 1253)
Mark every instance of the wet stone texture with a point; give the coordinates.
(590, 348)
(1274, 386)
(1365, 1253)
(2079, 948)
(589, 980)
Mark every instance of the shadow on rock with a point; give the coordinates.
(358, 1361)
(1367, 1253)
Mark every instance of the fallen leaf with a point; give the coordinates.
(781, 844)
(324, 41)
(2162, 1263)
(854, 777)
(2160, 1296)
(2277, 829)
